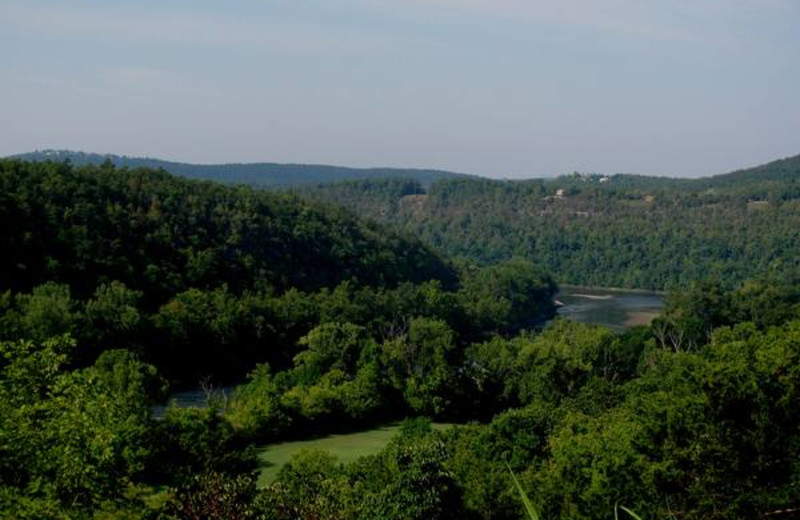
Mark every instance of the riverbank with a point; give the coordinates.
(618, 309)
(591, 288)
(641, 318)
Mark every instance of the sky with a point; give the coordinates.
(503, 88)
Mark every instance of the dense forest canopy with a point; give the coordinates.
(160, 234)
(114, 282)
(614, 231)
(205, 279)
(694, 417)
(260, 175)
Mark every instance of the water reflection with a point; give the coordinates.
(195, 398)
(618, 310)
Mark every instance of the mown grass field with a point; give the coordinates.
(346, 447)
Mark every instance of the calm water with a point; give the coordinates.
(196, 398)
(618, 310)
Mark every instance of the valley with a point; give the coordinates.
(373, 356)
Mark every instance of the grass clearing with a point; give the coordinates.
(347, 447)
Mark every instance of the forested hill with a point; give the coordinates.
(161, 234)
(260, 175)
(776, 178)
(207, 280)
(618, 230)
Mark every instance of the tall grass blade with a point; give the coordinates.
(634, 515)
(531, 511)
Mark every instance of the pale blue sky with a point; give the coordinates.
(505, 88)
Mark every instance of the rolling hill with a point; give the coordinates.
(260, 175)
(163, 234)
(617, 230)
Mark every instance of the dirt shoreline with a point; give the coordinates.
(593, 296)
(640, 318)
(610, 289)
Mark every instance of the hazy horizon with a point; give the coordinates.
(506, 89)
(398, 167)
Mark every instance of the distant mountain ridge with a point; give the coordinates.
(618, 230)
(260, 175)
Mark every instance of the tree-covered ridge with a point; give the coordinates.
(620, 230)
(206, 280)
(260, 175)
(159, 234)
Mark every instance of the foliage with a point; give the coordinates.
(311, 486)
(207, 280)
(611, 231)
(215, 496)
(420, 364)
(585, 419)
(193, 441)
(71, 438)
(109, 270)
(162, 235)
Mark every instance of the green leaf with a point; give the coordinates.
(634, 515)
(530, 509)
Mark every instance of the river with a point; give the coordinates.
(616, 309)
(193, 398)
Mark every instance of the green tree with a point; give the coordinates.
(311, 486)
(112, 318)
(330, 346)
(255, 409)
(420, 364)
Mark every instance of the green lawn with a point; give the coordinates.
(346, 447)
